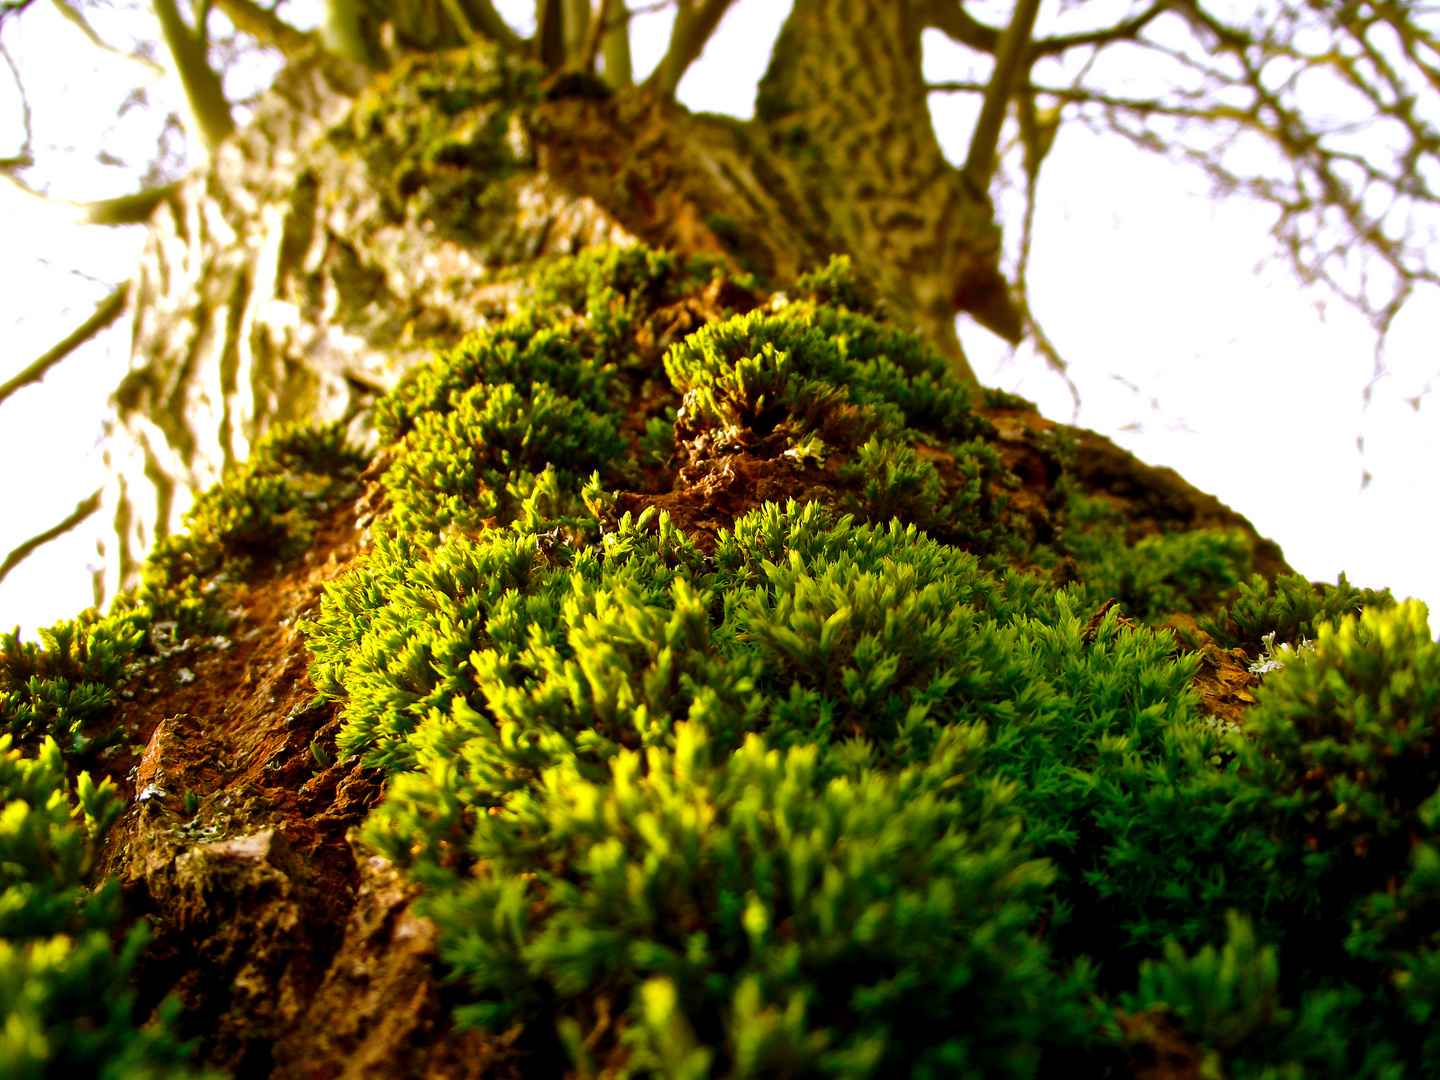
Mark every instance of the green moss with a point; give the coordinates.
(439, 131)
(66, 1002)
(265, 511)
(1289, 607)
(848, 790)
(698, 789)
(65, 997)
(862, 923)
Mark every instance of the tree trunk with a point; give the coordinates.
(335, 242)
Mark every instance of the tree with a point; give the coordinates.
(1302, 82)
(415, 175)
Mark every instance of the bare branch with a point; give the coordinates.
(608, 35)
(615, 46)
(83, 509)
(71, 14)
(26, 157)
(952, 20)
(210, 112)
(266, 27)
(110, 309)
(1128, 30)
(693, 27)
(1011, 58)
(132, 209)
(549, 40)
(576, 29)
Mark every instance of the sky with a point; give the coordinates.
(1189, 343)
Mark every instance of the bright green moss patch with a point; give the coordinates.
(842, 793)
(1291, 608)
(67, 1007)
(862, 923)
(836, 786)
(265, 511)
(65, 998)
(65, 682)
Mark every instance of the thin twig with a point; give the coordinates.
(71, 14)
(109, 310)
(83, 509)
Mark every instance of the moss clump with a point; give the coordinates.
(844, 792)
(1289, 607)
(441, 131)
(65, 997)
(265, 511)
(67, 1006)
(866, 922)
(1170, 572)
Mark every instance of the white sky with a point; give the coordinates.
(1181, 351)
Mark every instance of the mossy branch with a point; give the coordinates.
(209, 110)
(1011, 55)
(83, 509)
(694, 24)
(110, 309)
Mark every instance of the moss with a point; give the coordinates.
(440, 131)
(65, 994)
(265, 511)
(669, 784)
(66, 965)
(832, 785)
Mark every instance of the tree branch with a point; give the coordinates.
(952, 20)
(209, 111)
(608, 35)
(459, 20)
(1125, 31)
(83, 509)
(693, 27)
(487, 22)
(110, 309)
(266, 27)
(575, 31)
(132, 209)
(615, 45)
(1011, 57)
(71, 14)
(26, 157)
